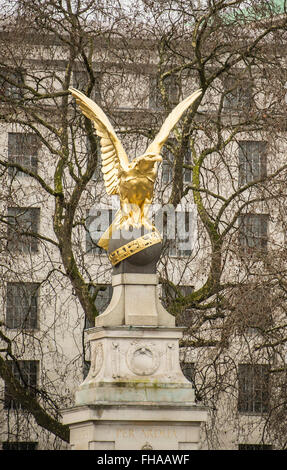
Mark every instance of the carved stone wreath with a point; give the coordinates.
(142, 359)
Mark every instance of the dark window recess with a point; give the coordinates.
(253, 232)
(81, 82)
(86, 368)
(98, 175)
(254, 388)
(180, 245)
(167, 166)
(23, 220)
(170, 84)
(252, 161)
(26, 373)
(22, 305)
(252, 308)
(11, 84)
(188, 370)
(177, 230)
(96, 226)
(187, 174)
(23, 149)
(238, 94)
(102, 301)
(9, 445)
(169, 295)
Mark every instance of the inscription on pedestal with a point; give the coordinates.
(146, 433)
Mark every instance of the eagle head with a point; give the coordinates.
(145, 162)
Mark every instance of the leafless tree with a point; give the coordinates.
(225, 158)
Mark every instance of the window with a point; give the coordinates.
(96, 226)
(166, 171)
(86, 368)
(155, 98)
(177, 228)
(181, 245)
(253, 383)
(22, 305)
(187, 175)
(167, 165)
(102, 301)
(252, 308)
(11, 82)
(238, 94)
(103, 298)
(253, 229)
(169, 294)
(188, 370)
(98, 175)
(81, 82)
(26, 373)
(23, 220)
(23, 149)
(254, 447)
(252, 161)
(9, 445)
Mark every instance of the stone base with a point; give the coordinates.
(135, 302)
(135, 395)
(134, 427)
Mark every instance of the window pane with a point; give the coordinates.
(188, 370)
(171, 89)
(253, 231)
(96, 226)
(23, 149)
(10, 83)
(22, 305)
(26, 372)
(81, 82)
(23, 220)
(253, 383)
(252, 161)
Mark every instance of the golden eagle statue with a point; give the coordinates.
(132, 181)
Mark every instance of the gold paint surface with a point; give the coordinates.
(134, 246)
(132, 181)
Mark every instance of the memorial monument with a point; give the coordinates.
(135, 395)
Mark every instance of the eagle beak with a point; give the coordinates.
(156, 158)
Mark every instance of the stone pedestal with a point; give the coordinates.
(135, 395)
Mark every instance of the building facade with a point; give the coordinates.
(219, 203)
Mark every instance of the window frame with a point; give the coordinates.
(246, 158)
(29, 319)
(18, 370)
(19, 156)
(16, 241)
(260, 241)
(155, 102)
(80, 80)
(253, 388)
(91, 246)
(9, 90)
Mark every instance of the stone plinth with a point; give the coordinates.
(135, 302)
(135, 365)
(135, 395)
(134, 427)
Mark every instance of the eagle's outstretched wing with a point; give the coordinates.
(170, 122)
(112, 151)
